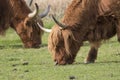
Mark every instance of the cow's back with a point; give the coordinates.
(4, 19)
(105, 6)
(4, 6)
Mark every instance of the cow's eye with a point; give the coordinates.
(28, 23)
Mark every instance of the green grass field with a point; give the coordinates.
(18, 63)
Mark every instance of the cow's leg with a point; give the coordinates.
(92, 55)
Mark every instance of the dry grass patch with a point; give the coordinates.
(57, 6)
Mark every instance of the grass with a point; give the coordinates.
(18, 63)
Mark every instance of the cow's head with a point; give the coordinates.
(59, 43)
(62, 43)
(28, 29)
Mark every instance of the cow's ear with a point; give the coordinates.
(28, 23)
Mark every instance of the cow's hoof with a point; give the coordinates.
(119, 39)
(88, 61)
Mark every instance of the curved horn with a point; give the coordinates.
(62, 26)
(45, 12)
(35, 12)
(44, 29)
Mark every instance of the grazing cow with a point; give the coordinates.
(84, 20)
(17, 15)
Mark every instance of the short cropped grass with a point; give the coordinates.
(18, 63)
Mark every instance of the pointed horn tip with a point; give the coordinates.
(30, 3)
(62, 26)
(53, 16)
(49, 6)
(45, 13)
(35, 12)
(36, 5)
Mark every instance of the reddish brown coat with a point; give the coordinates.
(86, 20)
(14, 13)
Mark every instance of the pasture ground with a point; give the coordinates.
(18, 63)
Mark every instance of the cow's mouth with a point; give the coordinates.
(36, 46)
(63, 62)
(32, 45)
(59, 63)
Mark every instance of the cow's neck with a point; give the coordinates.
(81, 12)
(81, 16)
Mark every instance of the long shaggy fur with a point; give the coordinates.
(14, 14)
(9, 9)
(86, 20)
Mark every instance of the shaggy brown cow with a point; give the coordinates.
(84, 20)
(16, 14)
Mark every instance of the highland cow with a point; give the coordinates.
(17, 15)
(84, 20)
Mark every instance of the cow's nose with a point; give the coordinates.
(36, 46)
(56, 63)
